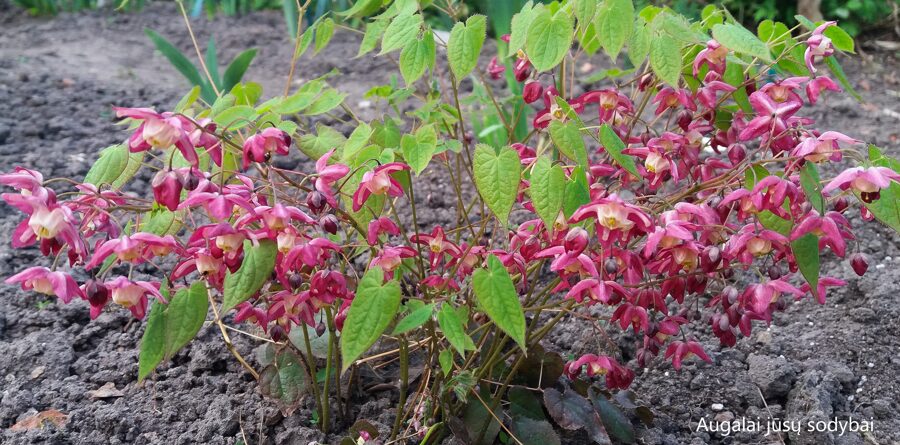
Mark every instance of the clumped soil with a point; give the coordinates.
(58, 79)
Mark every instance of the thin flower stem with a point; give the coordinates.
(404, 385)
(187, 23)
(227, 338)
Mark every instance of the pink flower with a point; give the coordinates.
(759, 297)
(815, 86)
(135, 249)
(678, 351)
(260, 146)
(617, 376)
(670, 98)
(495, 70)
(379, 226)
(41, 279)
(820, 287)
(166, 185)
(532, 91)
(864, 180)
(312, 253)
(631, 314)
(133, 294)
(390, 257)
(822, 148)
(248, 312)
(594, 290)
(712, 56)
(614, 218)
(378, 182)
(706, 95)
(326, 175)
(818, 46)
(831, 230)
(749, 243)
(438, 245)
(23, 179)
(771, 116)
(610, 102)
(160, 130)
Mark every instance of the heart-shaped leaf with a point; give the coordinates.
(371, 312)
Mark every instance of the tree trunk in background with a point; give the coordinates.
(810, 9)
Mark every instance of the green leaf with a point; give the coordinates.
(255, 270)
(464, 45)
(212, 62)
(617, 424)
(358, 139)
(614, 24)
(567, 138)
(235, 117)
(614, 146)
(162, 222)
(497, 297)
(414, 58)
(806, 251)
(810, 182)
(585, 11)
(454, 329)
(328, 101)
(547, 190)
(325, 138)
(170, 328)
(521, 22)
(419, 148)
(534, 432)
(324, 32)
(887, 207)
(497, 176)
(285, 380)
(549, 39)
(445, 358)
(577, 192)
(665, 59)
(639, 42)
(734, 76)
(362, 8)
(677, 27)
(236, 69)
(401, 32)
(835, 67)
(180, 62)
(414, 319)
(306, 39)
(115, 166)
(189, 99)
(572, 412)
(300, 100)
(370, 313)
(740, 40)
(374, 31)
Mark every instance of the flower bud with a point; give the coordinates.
(532, 91)
(775, 272)
(736, 154)
(728, 273)
(167, 189)
(684, 119)
(859, 263)
(611, 266)
(329, 223)
(645, 81)
(730, 294)
(576, 240)
(320, 329)
(866, 214)
(190, 181)
(295, 280)
(277, 333)
(710, 258)
(315, 200)
(97, 294)
(841, 204)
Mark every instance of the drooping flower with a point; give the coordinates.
(678, 351)
(867, 181)
(438, 245)
(132, 295)
(614, 218)
(134, 249)
(826, 146)
(45, 281)
(378, 226)
(617, 376)
(759, 297)
(830, 229)
(260, 146)
(712, 56)
(495, 70)
(160, 130)
(771, 117)
(326, 175)
(378, 182)
(818, 45)
(815, 86)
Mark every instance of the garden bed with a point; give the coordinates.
(58, 79)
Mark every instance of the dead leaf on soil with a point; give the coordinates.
(106, 391)
(36, 421)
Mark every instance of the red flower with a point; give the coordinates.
(678, 351)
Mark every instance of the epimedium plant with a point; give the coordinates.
(686, 190)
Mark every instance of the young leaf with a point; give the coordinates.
(374, 31)
(465, 44)
(255, 270)
(115, 166)
(810, 182)
(806, 251)
(740, 40)
(328, 101)
(497, 176)
(454, 329)
(639, 42)
(414, 319)
(547, 190)
(445, 358)
(734, 76)
(236, 117)
(665, 59)
(371, 312)
(577, 192)
(614, 146)
(236, 69)
(170, 328)
(615, 24)
(497, 297)
(324, 32)
(568, 140)
(419, 148)
(549, 39)
(401, 32)
(414, 58)
(325, 138)
(521, 22)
